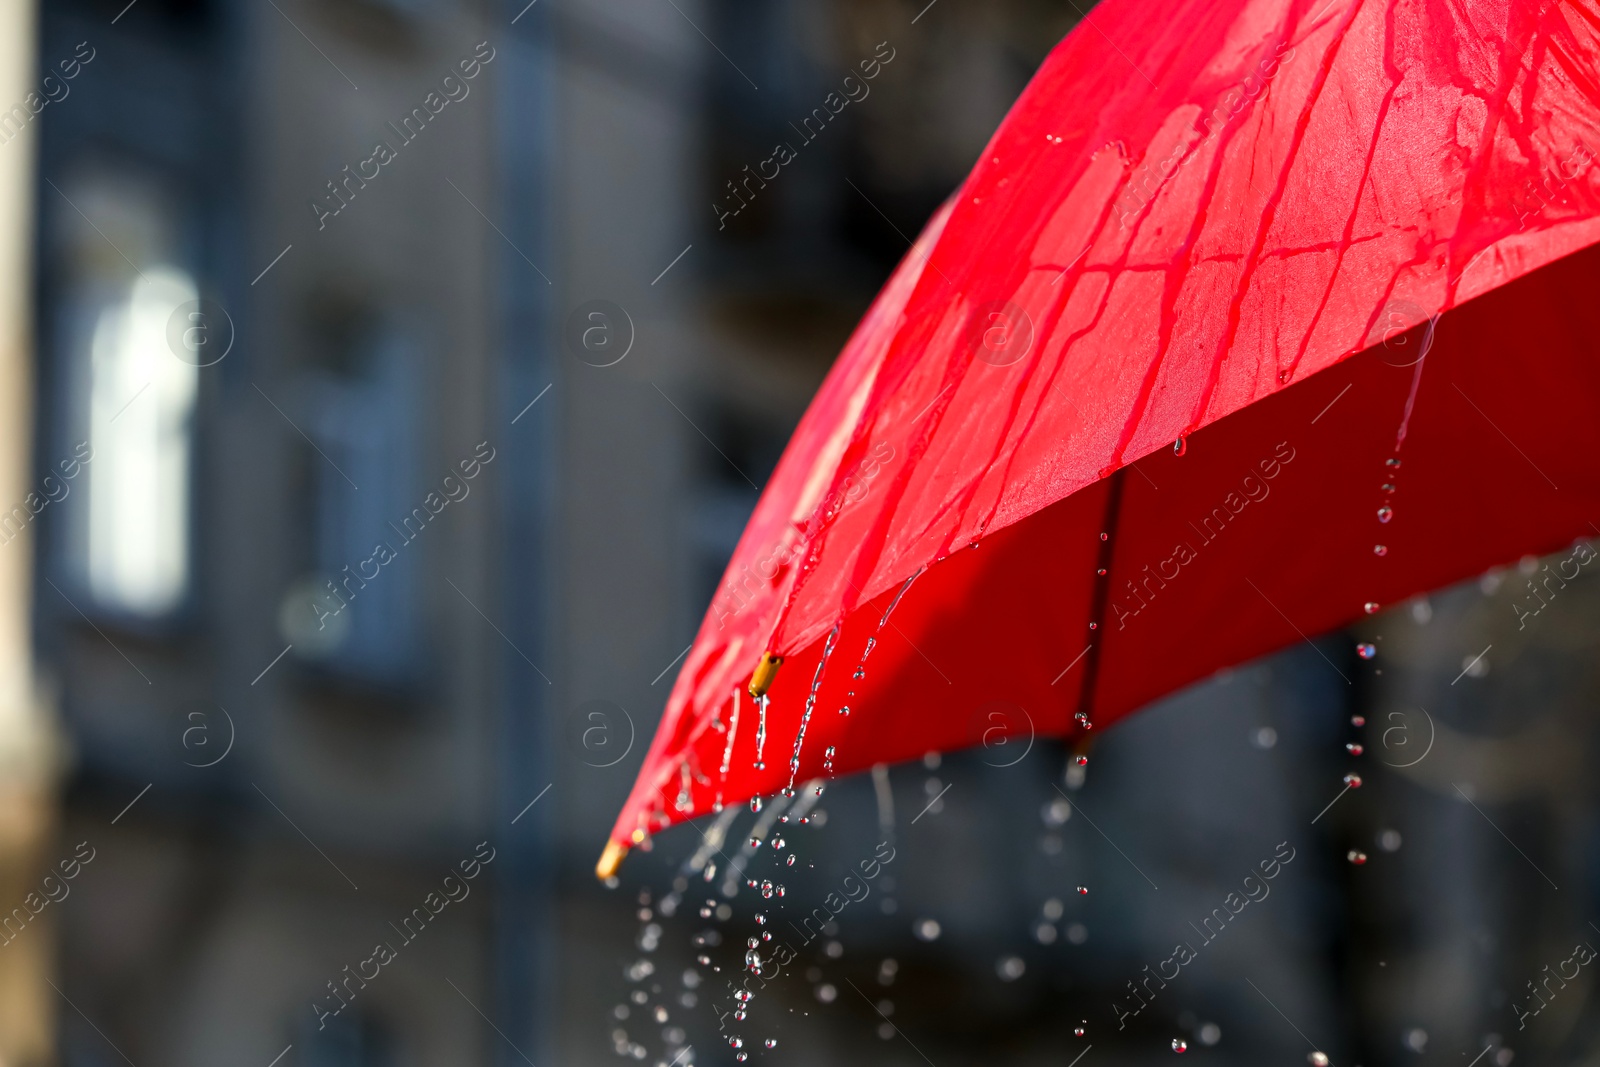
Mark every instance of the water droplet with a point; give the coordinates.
(736, 1042)
(1079, 1031)
(819, 790)
(778, 842)
(1010, 968)
(1094, 626)
(1388, 487)
(742, 1056)
(1385, 513)
(1318, 1059)
(928, 930)
(1082, 761)
(861, 672)
(772, 1042)
(1380, 550)
(1353, 781)
(1354, 749)
(1366, 651)
(1105, 537)
(1180, 1045)
(755, 842)
(766, 890)
(1082, 719)
(1180, 446)
(1371, 607)
(1101, 572)
(1358, 720)
(1389, 840)
(790, 861)
(1355, 857)
(755, 803)
(1393, 464)
(1083, 890)
(844, 709)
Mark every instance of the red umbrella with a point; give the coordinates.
(1212, 242)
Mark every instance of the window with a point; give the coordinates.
(130, 396)
(355, 614)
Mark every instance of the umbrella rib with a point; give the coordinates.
(1299, 631)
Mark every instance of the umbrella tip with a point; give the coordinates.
(610, 860)
(765, 672)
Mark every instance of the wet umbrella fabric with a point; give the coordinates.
(1336, 254)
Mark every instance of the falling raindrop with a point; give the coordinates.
(1180, 1045)
(1366, 651)
(1389, 840)
(1380, 550)
(761, 731)
(861, 672)
(1180, 446)
(1354, 749)
(1371, 607)
(1083, 890)
(1010, 968)
(1094, 626)
(790, 861)
(755, 803)
(1079, 1030)
(736, 1042)
(778, 842)
(771, 1042)
(1356, 857)
(928, 930)
(1353, 781)
(1318, 1059)
(1385, 513)
(1392, 463)
(741, 1057)
(1388, 487)
(1105, 537)
(1358, 720)
(1082, 761)
(1101, 572)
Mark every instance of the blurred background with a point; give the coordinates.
(385, 384)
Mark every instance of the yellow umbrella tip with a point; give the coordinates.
(765, 672)
(610, 860)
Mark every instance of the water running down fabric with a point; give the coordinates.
(1206, 222)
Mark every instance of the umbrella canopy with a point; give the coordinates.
(1212, 243)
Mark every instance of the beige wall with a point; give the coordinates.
(27, 1004)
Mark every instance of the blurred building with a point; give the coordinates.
(405, 373)
(364, 546)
